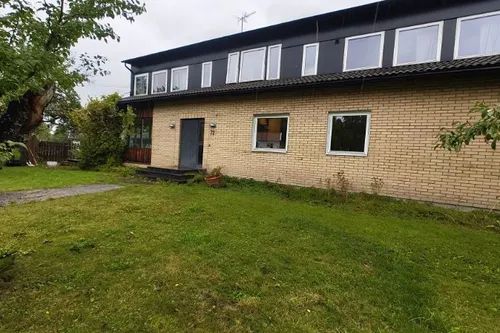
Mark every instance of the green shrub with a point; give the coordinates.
(9, 150)
(103, 130)
(7, 259)
(81, 245)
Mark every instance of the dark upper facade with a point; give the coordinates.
(388, 38)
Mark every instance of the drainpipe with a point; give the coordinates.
(131, 82)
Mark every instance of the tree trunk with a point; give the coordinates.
(25, 115)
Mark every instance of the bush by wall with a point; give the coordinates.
(103, 129)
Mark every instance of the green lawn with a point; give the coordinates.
(25, 178)
(168, 258)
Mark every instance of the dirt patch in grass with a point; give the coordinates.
(42, 195)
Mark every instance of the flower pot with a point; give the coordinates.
(213, 181)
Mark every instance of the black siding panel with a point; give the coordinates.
(194, 76)
(331, 54)
(448, 49)
(388, 57)
(219, 68)
(291, 62)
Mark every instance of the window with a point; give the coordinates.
(159, 82)
(348, 133)
(478, 35)
(252, 65)
(179, 80)
(418, 44)
(364, 52)
(206, 74)
(233, 62)
(141, 84)
(273, 62)
(310, 59)
(270, 133)
(141, 135)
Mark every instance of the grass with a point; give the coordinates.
(25, 178)
(249, 257)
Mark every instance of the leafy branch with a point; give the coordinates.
(464, 133)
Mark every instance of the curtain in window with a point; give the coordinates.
(418, 45)
(159, 82)
(252, 65)
(489, 36)
(363, 52)
(427, 43)
(179, 79)
(310, 60)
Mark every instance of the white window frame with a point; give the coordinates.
(153, 81)
(208, 63)
(440, 25)
(263, 72)
(329, 136)
(172, 78)
(315, 61)
(381, 53)
(237, 67)
(254, 133)
(459, 32)
(135, 83)
(278, 46)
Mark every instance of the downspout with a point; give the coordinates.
(131, 72)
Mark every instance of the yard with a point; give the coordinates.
(157, 257)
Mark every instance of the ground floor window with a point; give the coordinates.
(141, 136)
(348, 133)
(270, 133)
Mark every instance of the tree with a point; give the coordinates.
(103, 130)
(35, 62)
(466, 132)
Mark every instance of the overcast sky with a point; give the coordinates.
(172, 23)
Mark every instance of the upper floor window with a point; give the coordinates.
(310, 59)
(273, 62)
(348, 133)
(233, 62)
(418, 44)
(159, 82)
(478, 35)
(364, 52)
(179, 78)
(252, 65)
(141, 84)
(206, 74)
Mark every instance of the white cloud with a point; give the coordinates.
(168, 24)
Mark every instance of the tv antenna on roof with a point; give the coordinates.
(244, 18)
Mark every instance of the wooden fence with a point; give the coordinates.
(49, 151)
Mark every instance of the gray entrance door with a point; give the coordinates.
(191, 149)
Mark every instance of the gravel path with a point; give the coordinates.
(41, 195)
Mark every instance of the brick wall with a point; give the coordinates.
(406, 115)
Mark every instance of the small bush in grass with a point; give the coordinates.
(343, 184)
(81, 245)
(376, 185)
(197, 178)
(7, 260)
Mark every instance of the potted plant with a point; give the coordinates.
(214, 177)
